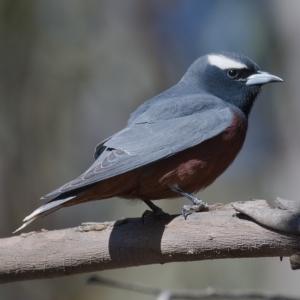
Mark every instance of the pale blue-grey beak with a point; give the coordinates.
(261, 78)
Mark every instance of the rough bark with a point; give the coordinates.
(218, 233)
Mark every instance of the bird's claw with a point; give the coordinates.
(155, 214)
(198, 206)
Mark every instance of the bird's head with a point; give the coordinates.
(231, 77)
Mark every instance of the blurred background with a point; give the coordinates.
(72, 71)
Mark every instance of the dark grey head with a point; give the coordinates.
(232, 77)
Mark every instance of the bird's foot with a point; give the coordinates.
(197, 206)
(155, 212)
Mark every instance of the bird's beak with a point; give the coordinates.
(261, 78)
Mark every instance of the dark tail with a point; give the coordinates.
(43, 211)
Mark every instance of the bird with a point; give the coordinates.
(175, 144)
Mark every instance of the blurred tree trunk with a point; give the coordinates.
(17, 39)
(287, 24)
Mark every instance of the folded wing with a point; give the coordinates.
(149, 140)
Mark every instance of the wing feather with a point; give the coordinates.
(149, 140)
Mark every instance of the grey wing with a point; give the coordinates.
(143, 143)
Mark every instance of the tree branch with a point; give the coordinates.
(219, 233)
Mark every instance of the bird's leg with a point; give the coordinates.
(157, 211)
(198, 204)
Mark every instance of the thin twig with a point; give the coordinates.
(209, 292)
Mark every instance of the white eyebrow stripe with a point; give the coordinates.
(224, 63)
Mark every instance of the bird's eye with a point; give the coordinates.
(232, 73)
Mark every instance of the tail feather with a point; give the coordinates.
(43, 211)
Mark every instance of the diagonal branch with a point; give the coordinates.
(219, 233)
